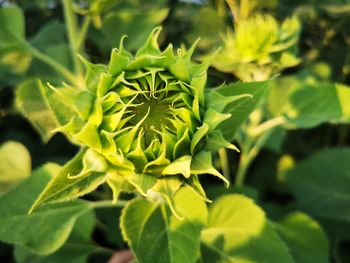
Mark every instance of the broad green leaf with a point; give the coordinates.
(304, 237)
(71, 182)
(279, 88)
(156, 235)
(207, 25)
(60, 53)
(15, 59)
(238, 231)
(311, 105)
(127, 22)
(239, 108)
(13, 53)
(31, 101)
(11, 26)
(77, 248)
(15, 164)
(46, 229)
(50, 34)
(321, 184)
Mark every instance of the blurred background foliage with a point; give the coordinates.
(293, 145)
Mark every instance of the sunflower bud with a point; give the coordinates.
(144, 123)
(259, 47)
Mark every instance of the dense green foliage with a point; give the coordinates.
(181, 131)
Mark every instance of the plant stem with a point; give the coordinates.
(268, 125)
(242, 170)
(224, 163)
(103, 204)
(50, 61)
(83, 32)
(72, 29)
(234, 10)
(248, 157)
(44, 58)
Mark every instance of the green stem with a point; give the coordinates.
(248, 157)
(104, 204)
(72, 29)
(83, 32)
(234, 10)
(224, 163)
(50, 61)
(268, 125)
(44, 58)
(242, 170)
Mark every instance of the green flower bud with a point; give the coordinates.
(259, 47)
(144, 122)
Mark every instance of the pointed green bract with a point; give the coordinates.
(145, 122)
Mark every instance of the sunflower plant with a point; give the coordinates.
(145, 123)
(148, 125)
(145, 148)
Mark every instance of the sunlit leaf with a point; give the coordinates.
(304, 237)
(238, 231)
(15, 164)
(155, 234)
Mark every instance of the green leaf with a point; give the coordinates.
(311, 105)
(156, 235)
(11, 26)
(45, 230)
(207, 25)
(15, 164)
(46, 108)
(77, 248)
(238, 231)
(71, 182)
(31, 101)
(127, 22)
(238, 99)
(15, 60)
(50, 34)
(304, 237)
(321, 184)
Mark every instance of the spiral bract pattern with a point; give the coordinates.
(143, 121)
